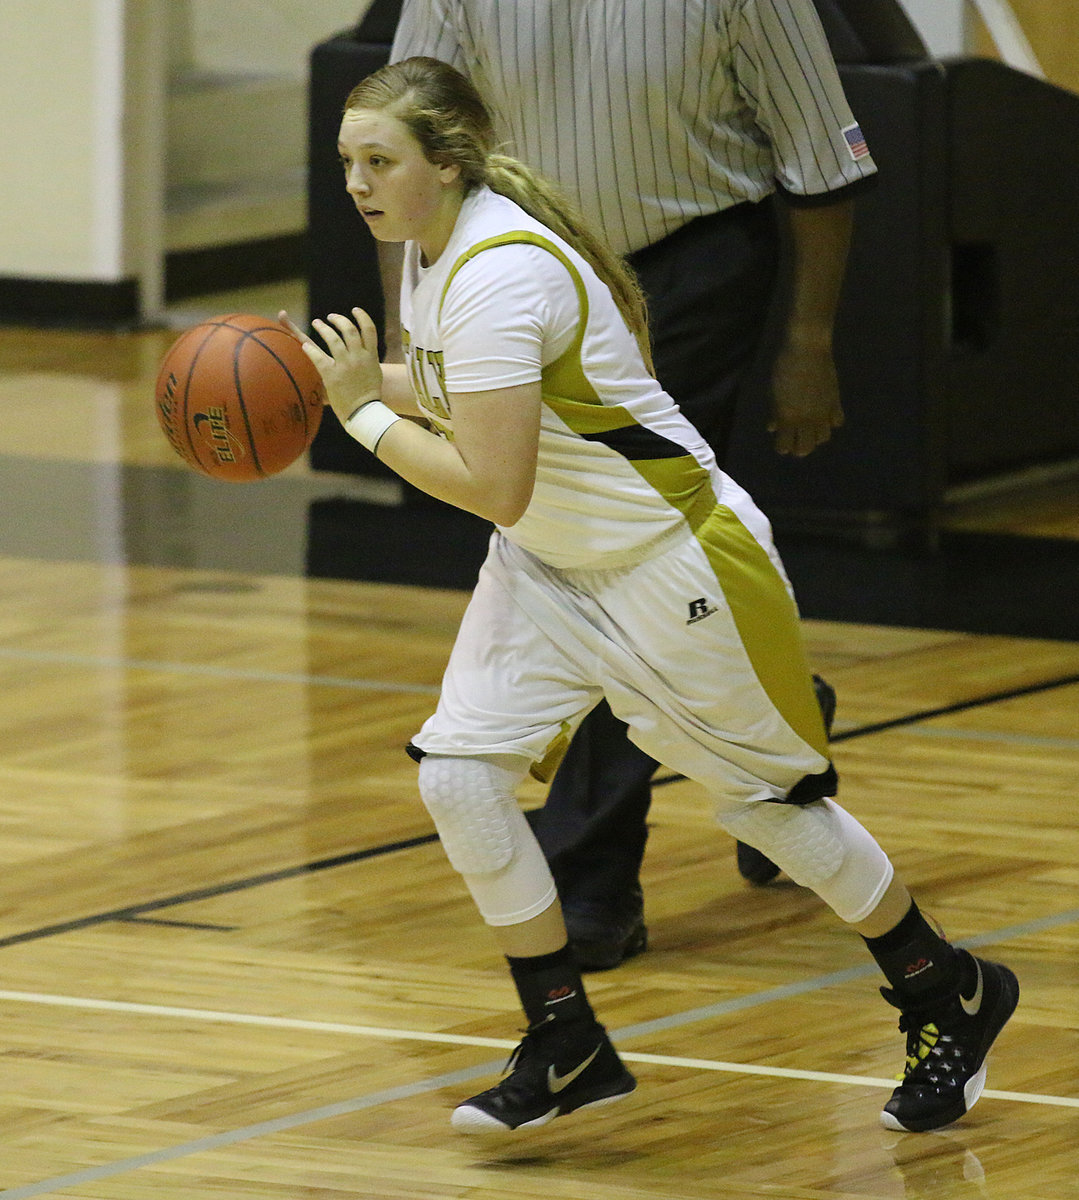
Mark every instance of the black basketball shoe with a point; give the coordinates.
(947, 1043)
(602, 936)
(548, 1076)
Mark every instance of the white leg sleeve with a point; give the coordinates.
(821, 846)
(486, 836)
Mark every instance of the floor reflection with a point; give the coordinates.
(938, 1165)
(143, 515)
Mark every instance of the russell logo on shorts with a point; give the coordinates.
(699, 609)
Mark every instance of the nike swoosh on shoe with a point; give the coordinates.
(974, 1005)
(557, 1083)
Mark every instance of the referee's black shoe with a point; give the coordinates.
(758, 868)
(601, 937)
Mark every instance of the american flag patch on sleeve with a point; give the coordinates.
(856, 143)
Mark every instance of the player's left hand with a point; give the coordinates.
(349, 366)
(805, 398)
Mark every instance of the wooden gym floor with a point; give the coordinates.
(234, 963)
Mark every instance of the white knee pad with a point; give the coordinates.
(470, 801)
(486, 836)
(820, 846)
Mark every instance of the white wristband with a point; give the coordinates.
(369, 422)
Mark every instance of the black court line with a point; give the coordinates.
(927, 714)
(164, 921)
(136, 912)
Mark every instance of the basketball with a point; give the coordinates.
(237, 398)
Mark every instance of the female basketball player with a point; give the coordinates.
(625, 564)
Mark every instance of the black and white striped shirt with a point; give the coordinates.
(652, 112)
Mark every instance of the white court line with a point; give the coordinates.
(119, 663)
(454, 1039)
(266, 1022)
(374, 1099)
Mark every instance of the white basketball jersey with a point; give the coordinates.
(507, 303)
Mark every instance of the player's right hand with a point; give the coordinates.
(349, 366)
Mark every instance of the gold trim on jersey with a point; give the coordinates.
(767, 620)
(762, 607)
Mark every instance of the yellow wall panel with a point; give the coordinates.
(1052, 28)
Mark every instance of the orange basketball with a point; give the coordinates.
(237, 398)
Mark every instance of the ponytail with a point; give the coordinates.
(544, 202)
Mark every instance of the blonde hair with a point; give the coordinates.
(446, 115)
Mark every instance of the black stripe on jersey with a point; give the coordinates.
(632, 141)
(800, 27)
(775, 81)
(637, 443)
(686, 103)
(790, 101)
(805, 23)
(468, 38)
(720, 146)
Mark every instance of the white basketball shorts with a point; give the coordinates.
(698, 649)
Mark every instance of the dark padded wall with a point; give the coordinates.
(343, 265)
(1013, 377)
(869, 31)
(885, 463)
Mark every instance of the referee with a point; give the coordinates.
(700, 136)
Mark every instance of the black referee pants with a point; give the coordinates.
(709, 287)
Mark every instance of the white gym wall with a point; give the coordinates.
(130, 129)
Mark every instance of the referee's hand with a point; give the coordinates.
(805, 399)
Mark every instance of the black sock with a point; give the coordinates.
(550, 988)
(916, 960)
